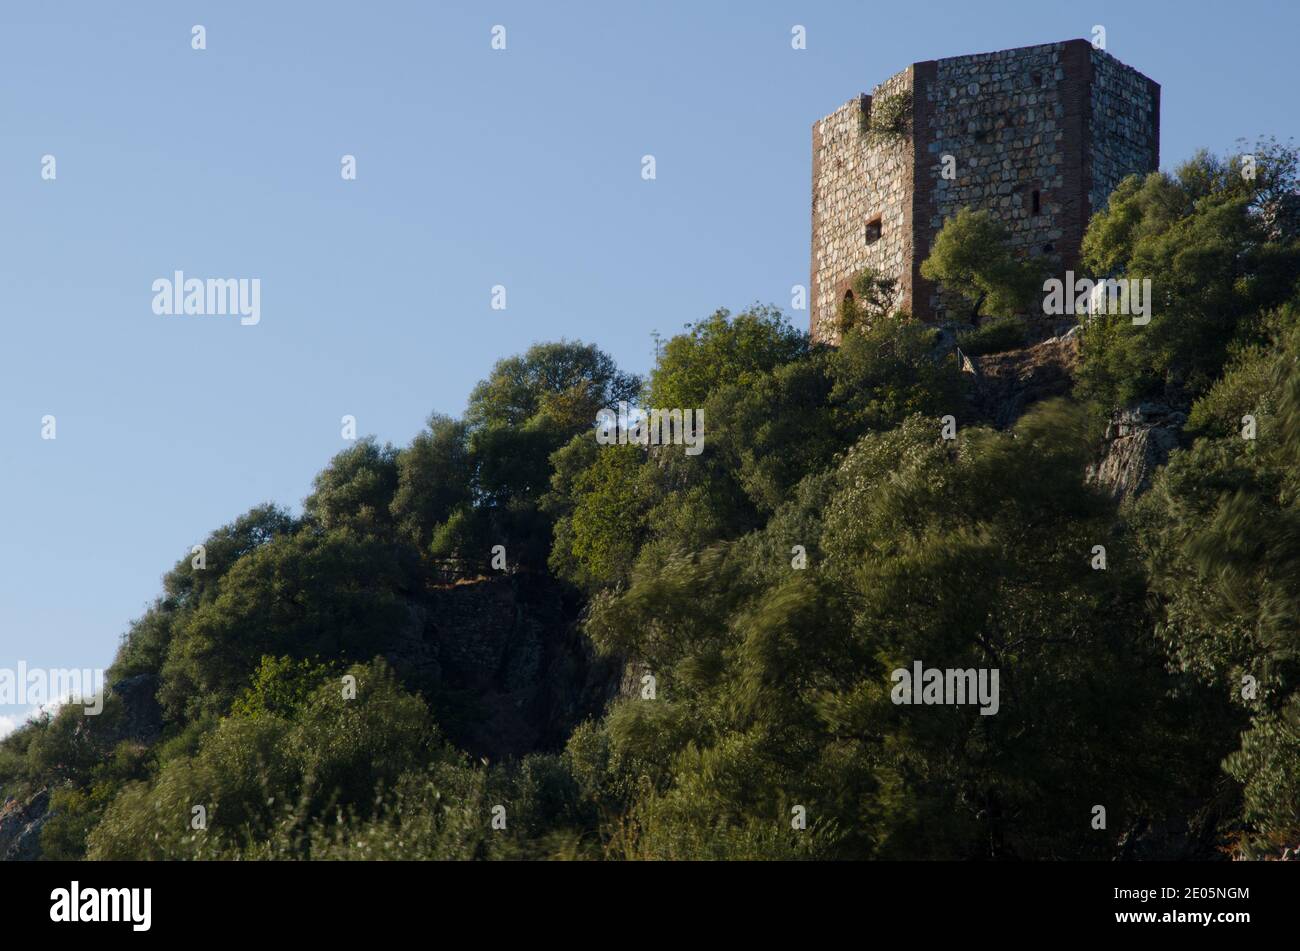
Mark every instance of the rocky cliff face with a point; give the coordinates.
(1138, 438)
(505, 665)
(141, 713)
(1006, 384)
(1138, 441)
(137, 718)
(20, 827)
(502, 658)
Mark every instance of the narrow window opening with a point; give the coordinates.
(1036, 202)
(874, 229)
(1036, 78)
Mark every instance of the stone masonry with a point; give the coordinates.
(1039, 136)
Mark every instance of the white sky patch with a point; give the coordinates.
(12, 721)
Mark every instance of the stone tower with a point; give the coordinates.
(1039, 136)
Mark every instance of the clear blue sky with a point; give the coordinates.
(475, 168)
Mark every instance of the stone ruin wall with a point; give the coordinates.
(1123, 125)
(1003, 117)
(854, 181)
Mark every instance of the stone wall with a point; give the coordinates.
(855, 181)
(1123, 126)
(1002, 116)
(1137, 442)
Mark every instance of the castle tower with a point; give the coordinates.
(1039, 136)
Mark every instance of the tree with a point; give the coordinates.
(596, 543)
(356, 488)
(340, 595)
(774, 684)
(435, 475)
(566, 381)
(722, 350)
(871, 300)
(972, 258)
(185, 587)
(263, 771)
(1214, 265)
(1219, 530)
(528, 408)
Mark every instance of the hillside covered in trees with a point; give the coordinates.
(678, 656)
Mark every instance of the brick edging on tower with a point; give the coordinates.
(1076, 61)
(812, 256)
(923, 171)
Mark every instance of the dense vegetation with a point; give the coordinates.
(759, 595)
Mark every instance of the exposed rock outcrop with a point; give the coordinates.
(1138, 438)
(1006, 384)
(1138, 441)
(514, 673)
(141, 712)
(20, 827)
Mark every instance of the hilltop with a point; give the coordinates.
(510, 639)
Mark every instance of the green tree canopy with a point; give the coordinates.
(972, 258)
